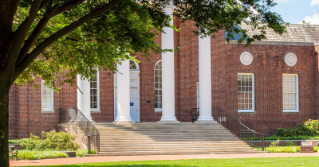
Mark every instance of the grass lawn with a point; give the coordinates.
(289, 161)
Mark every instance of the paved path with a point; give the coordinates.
(63, 161)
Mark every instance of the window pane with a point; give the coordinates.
(158, 84)
(289, 88)
(245, 91)
(94, 92)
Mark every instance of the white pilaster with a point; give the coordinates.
(205, 98)
(168, 77)
(83, 98)
(123, 93)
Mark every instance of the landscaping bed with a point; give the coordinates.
(284, 149)
(50, 145)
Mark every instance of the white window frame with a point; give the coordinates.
(297, 93)
(197, 95)
(158, 109)
(253, 92)
(51, 109)
(97, 93)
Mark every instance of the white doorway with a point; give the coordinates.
(134, 92)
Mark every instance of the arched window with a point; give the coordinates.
(133, 66)
(158, 85)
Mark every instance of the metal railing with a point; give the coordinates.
(237, 127)
(73, 116)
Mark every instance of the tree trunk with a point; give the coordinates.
(4, 121)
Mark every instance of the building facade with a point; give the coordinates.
(271, 84)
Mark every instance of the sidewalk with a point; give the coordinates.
(64, 161)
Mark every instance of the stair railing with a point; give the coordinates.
(237, 127)
(73, 116)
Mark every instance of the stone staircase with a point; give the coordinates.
(167, 139)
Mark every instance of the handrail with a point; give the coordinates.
(236, 127)
(72, 115)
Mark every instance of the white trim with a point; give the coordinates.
(51, 109)
(297, 94)
(158, 109)
(96, 110)
(246, 58)
(253, 92)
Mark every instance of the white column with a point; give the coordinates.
(205, 98)
(83, 98)
(123, 92)
(168, 80)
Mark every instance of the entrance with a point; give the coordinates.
(134, 93)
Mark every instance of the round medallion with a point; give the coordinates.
(291, 59)
(246, 58)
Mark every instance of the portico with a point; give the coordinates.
(124, 84)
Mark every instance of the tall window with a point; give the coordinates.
(47, 100)
(290, 92)
(158, 85)
(245, 92)
(197, 94)
(94, 92)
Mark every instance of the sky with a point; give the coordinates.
(295, 11)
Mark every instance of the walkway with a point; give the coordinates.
(64, 161)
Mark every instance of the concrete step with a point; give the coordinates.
(167, 139)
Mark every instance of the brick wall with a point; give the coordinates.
(268, 66)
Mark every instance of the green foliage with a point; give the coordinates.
(81, 153)
(34, 155)
(129, 27)
(275, 143)
(51, 140)
(283, 149)
(15, 141)
(286, 138)
(289, 143)
(307, 128)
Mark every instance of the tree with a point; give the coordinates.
(54, 38)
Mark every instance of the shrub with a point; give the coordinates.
(15, 141)
(274, 143)
(285, 149)
(81, 153)
(290, 143)
(307, 128)
(34, 155)
(51, 140)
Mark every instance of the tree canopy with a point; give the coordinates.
(63, 38)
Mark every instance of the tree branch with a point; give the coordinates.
(20, 34)
(43, 45)
(44, 2)
(41, 25)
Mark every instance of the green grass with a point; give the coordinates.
(247, 162)
(285, 149)
(34, 155)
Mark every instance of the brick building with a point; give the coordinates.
(271, 84)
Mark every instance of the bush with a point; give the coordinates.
(15, 141)
(307, 128)
(285, 149)
(51, 140)
(274, 143)
(290, 143)
(81, 153)
(34, 155)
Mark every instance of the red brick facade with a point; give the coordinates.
(268, 66)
